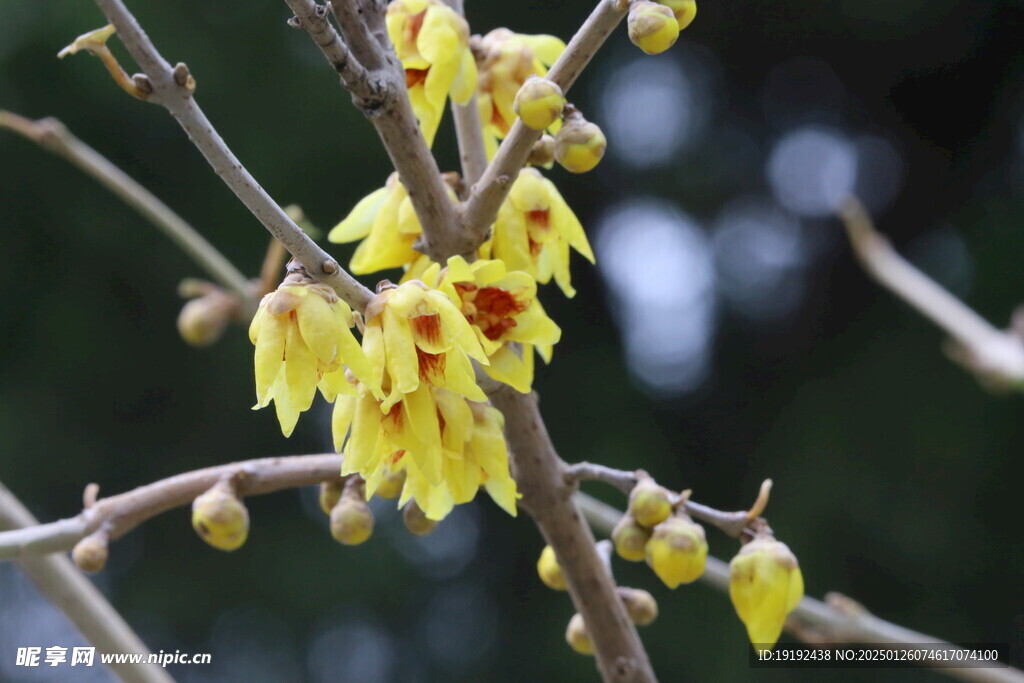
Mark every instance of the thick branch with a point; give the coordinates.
(53, 136)
(547, 495)
(178, 100)
(991, 352)
(837, 620)
(119, 514)
(74, 595)
(480, 210)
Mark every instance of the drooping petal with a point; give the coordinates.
(269, 356)
(341, 419)
(359, 221)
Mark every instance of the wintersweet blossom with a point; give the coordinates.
(302, 333)
(535, 229)
(502, 307)
(507, 60)
(432, 42)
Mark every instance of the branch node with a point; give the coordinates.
(330, 266)
(183, 77)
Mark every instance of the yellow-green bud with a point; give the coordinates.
(649, 503)
(543, 152)
(90, 554)
(351, 520)
(677, 551)
(579, 144)
(549, 570)
(640, 605)
(330, 494)
(684, 11)
(220, 518)
(630, 539)
(539, 103)
(391, 486)
(652, 27)
(202, 321)
(416, 520)
(577, 636)
(765, 585)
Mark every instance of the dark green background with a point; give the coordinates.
(897, 477)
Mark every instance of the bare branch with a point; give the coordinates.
(482, 206)
(541, 478)
(74, 595)
(990, 352)
(52, 135)
(469, 131)
(835, 621)
(589, 471)
(119, 514)
(170, 89)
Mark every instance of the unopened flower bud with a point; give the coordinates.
(677, 551)
(640, 605)
(543, 152)
(579, 144)
(416, 520)
(539, 103)
(550, 571)
(765, 585)
(630, 539)
(391, 486)
(351, 518)
(577, 636)
(652, 27)
(684, 11)
(202, 321)
(330, 494)
(649, 503)
(90, 554)
(220, 518)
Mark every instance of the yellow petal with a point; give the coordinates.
(402, 363)
(460, 378)
(365, 432)
(359, 221)
(341, 419)
(320, 326)
(507, 367)
(465, 80)
(300, 368)
(269, 356)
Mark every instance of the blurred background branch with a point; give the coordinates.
(74, 595)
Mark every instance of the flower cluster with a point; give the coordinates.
(506, 61)
(432, 42)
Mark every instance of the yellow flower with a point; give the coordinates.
(301, 333)
(677, 550)
(421, 338)
(432, 42)
(765, 585)
(507, 60)
(387, 223)
(502, 308)
(534, 230)
(446, 445)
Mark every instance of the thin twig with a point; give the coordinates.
(480, 209)
(469, 131)
(53, 136)
(547, 495)
(991, 352)
(589, 471)
(178, 100)
(64, 585)
(838, 620)
(119, 514)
